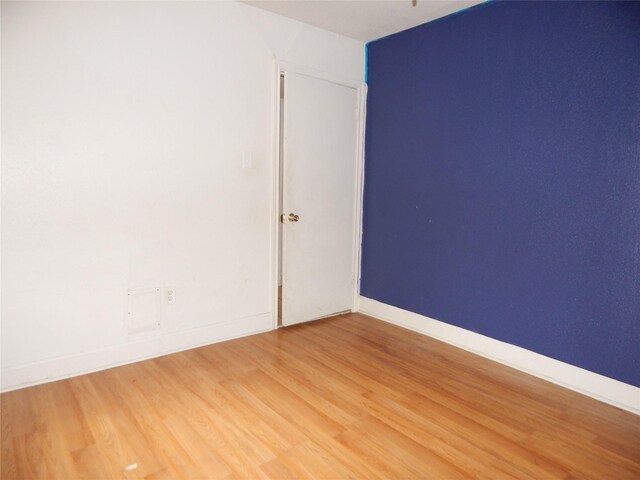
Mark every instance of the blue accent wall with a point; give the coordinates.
(502, 177)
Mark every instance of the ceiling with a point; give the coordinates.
(363, 19)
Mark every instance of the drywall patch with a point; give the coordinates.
(143, 309)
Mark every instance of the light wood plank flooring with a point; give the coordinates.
(345, 397)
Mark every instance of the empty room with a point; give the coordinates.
(318, 239)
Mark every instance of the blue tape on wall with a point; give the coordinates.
(502, 181)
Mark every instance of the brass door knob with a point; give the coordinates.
(293, 217)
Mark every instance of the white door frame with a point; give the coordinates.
(361, 88)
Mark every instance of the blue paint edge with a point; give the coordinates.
(449, 16)
(366, 62)
(439, 19)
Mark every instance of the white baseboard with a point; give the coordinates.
(578, 379)
(87, 362)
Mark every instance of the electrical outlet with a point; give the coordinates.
(169, 295)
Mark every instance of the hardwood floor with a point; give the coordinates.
(345, 397)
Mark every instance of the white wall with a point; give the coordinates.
(123, 126)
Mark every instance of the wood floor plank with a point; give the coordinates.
(29, 457)
(465, 450)
(507, 454)
(276, 470)
(91, 462)
(347, 397)
(171, 454)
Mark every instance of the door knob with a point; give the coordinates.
(292, 217)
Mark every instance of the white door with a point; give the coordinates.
(319, 187)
